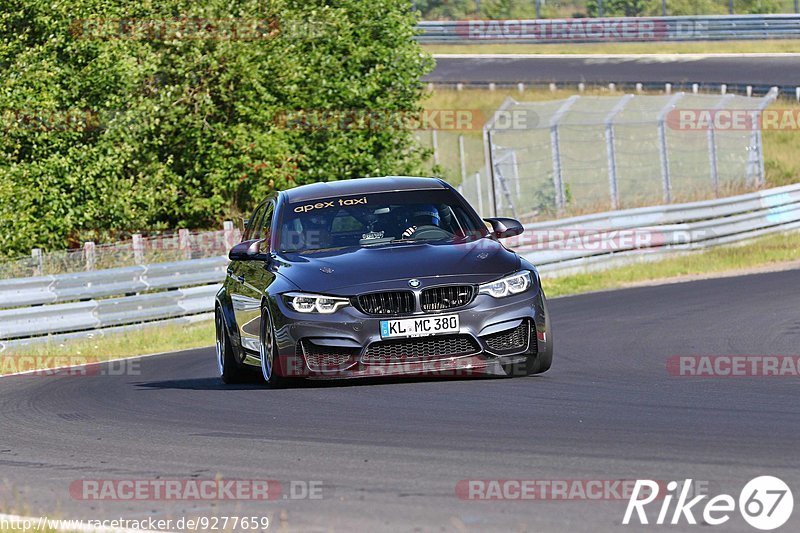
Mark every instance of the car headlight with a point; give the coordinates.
(314, 303)
(507, 286)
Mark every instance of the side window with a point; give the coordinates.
(264, 224)
(255, 220)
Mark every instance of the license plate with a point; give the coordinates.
(419, 327)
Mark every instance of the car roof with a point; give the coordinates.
(316, 191)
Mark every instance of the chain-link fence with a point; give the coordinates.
(139, 250)
(537, 160)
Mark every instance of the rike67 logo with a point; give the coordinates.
(765, 502)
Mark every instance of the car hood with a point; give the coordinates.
(347, 272)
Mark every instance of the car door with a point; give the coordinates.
(253, 278)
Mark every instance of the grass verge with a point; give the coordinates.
(699, 47)
(755, 255)
(165, 338)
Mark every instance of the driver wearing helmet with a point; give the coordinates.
(424, 215)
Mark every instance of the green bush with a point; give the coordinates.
(111, 124)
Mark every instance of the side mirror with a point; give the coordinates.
(505, 227)
(249, 251)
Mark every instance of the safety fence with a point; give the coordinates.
(49, 307)
(137, 250)
(584, 154)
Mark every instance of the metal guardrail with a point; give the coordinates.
(51, 307)
(590, 30)
(602, 240)
(94, 314)
(112, 282)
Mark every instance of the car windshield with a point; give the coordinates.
(377, 219)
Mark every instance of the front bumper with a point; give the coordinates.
(343, 344)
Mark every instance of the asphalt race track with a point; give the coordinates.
(761, 71)
(389, 455)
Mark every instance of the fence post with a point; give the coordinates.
(480, 192)
(712, 147)
(461, 158)
(666, 181)
(487, 147)
(435, 144)
(493, 188)
(183, 243)
(756, 154)
(515, 166)
(228, 234)
(611, 149)
(38, 262)
(89, 255)
(555, 149)
(138, 249)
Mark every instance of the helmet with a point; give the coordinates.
(426, 215)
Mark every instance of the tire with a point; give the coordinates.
(230, 371)
(267, 353)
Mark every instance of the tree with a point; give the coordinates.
(144, 115)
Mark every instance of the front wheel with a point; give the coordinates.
(268, 352)
(229, 369)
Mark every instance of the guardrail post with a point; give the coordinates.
(138, 248)
(38, 262)
(666, 181)
(89, 255)
(183, 243)
(435, 144)
(611, 149)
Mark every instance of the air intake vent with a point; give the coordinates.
(420, 349)
(448, 297)
(510, 341)
(387, 303)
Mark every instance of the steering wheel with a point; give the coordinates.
(430, 232)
